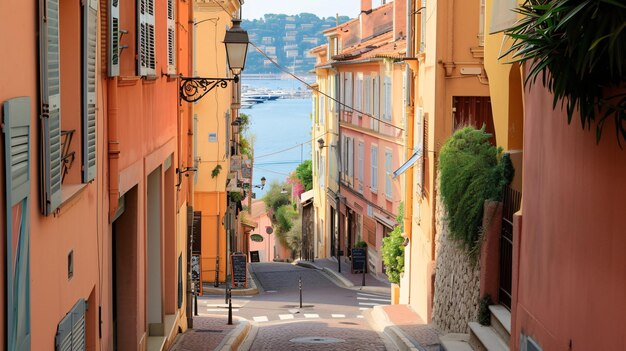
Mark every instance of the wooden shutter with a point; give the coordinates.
(89, 45)
(146, 62)
(50, 107)
(17, 140)
(71, 330)
(376, 100)
(114, 38)
(171, 37)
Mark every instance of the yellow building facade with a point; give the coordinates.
(212, 118)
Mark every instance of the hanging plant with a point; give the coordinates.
(216, 171)
(235, 196)
(579, 50)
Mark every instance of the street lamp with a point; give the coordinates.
(236, 41)
(263, 180)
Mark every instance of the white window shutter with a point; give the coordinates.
(114, 38)
(376, 100)
(171, 37)
(50, 107)
(90, 36)
(146, 61)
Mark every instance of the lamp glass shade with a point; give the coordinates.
(236, 42)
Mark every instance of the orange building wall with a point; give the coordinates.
(572, 266)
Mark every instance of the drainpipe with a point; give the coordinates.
(114, 147)
(409, 137)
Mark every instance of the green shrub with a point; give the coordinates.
(472, 171)
(360, 244)
(393, 250)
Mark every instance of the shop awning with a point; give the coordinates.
(417, 154)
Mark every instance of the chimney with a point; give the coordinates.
(366, 6)
(399, 19)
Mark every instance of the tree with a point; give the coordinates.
(304, 172)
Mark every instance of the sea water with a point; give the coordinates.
(281, 130)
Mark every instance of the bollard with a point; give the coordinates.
(339, 261)
(230, 307)
(363, 273)
(300, 287)
(195, 303)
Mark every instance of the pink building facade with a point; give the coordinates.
(368, 76)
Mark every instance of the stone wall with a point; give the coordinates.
(457, 288)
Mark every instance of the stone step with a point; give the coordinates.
(485, 338)
(455, 342)
(501, 322)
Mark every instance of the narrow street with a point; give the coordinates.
(330, 318)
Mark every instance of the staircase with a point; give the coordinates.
(483, 338)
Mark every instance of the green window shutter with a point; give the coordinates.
(114, 38)
(50, 107)
(89, 45)
(145, 38)
(17, 141)
(171, 37)
(71, 330)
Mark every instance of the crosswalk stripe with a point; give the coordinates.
(311, 315)
(221, 310)
(338, 315)
(369, 303)
(285, 316)
(360, 317)
(364, 308)
(260, 319)
(372, 299)
(223, 305)
(370, 295)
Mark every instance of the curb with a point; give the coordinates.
(378, 320)
(342, 281)
(234, 339)
(252, 290)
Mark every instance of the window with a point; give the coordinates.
(17, 141)
(348, 90)
(360, 166)
(374, 175)
(376, 103)
(316, 117)
(358, 91)
(114, 39)
(367, 96)
(387, 99)
(322, 112)
(388, 171)
(146, 55)
(481, 24)
(322, 171)
(423, 19)
(171, 37)
(180, 280)
(350, 161)
(58, 151)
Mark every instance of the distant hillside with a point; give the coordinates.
(287, 39)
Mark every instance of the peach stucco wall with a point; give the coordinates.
(570, 288)
(147, 134)
(451, 40)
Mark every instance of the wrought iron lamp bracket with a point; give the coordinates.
(193, 89)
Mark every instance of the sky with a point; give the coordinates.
(322, 8)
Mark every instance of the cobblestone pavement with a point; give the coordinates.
(347, 334)
(208, 334)
(412, 326)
